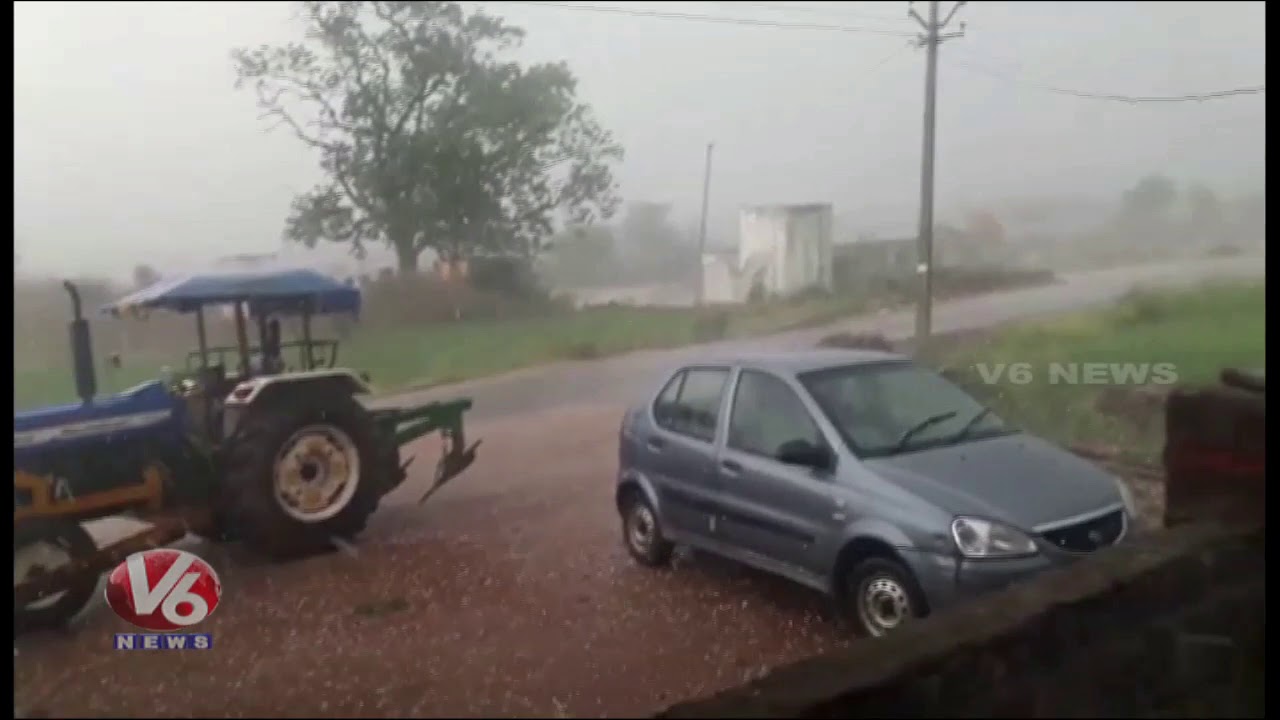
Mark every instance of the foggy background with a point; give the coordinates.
(131, 145)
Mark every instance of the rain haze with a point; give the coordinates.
(659, 277)
(131, 145)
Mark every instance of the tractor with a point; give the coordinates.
(242, 444)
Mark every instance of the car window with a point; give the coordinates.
(767, 414)
(690, 404)
(875, 406)
(664, 408)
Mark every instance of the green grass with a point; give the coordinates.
(406, 357)
(1200, 331)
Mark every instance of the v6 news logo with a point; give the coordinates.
(163, 590)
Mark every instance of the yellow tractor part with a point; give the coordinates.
(148, 494)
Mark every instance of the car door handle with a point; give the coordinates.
(731, 467)
(656, 444)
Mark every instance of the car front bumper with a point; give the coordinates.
(948, 581)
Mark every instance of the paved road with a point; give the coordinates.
(617, 380)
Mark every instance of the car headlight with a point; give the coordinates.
(978, 538)
(1126, 497)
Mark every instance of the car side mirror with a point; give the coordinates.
(803, 453)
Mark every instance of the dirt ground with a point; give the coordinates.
(508, 594)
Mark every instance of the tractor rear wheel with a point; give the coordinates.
(301, 473)
(39, 546)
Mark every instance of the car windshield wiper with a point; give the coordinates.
(927, 422)
(969, 426)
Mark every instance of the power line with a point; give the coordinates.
(790, 25)
(1131, 99)
(720, 19)
(829, 12)
(885, 60)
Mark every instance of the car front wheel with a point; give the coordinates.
(880, 596)
(642, 534)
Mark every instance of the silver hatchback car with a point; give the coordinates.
(860, 474)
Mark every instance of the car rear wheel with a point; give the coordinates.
(642, 534)
(880, 596)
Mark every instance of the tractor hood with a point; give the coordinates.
(140, 409)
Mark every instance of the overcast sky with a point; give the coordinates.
(131, 144)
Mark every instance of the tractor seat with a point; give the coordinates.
(135, 405)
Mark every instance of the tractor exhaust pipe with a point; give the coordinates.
(81, 348)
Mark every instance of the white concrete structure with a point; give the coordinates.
(720, 278)
(783, 249)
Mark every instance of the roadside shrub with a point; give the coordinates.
(1141, 307)
(857, 341)
(810, 294)
(1224, 251)
(419, 299)
(508, 277)
(582, 350)
(952, 282)
(711, 325)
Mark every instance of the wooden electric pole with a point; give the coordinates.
(932, 38)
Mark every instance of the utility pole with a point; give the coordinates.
(702, 227)
(932, 38)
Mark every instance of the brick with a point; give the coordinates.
(1215, 453)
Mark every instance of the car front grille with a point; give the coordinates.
(1090, 535)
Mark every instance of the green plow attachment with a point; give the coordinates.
(404, 425)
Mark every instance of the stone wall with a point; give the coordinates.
(1170, 625)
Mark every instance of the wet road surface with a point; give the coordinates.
(620, 379)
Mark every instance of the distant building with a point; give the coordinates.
(782, 250)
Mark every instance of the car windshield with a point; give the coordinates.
(884, 409)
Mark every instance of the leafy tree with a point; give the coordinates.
(428, 139)
(582, 256)
(646, 225)
(1206, 214)
(1253, 210)
(984, 226)
(1247, 218)
(1151, 198)
(144, 276)
(652, 248)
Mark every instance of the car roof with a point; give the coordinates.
(796, 362)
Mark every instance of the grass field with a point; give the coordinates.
(398, 358)
(1199, 331)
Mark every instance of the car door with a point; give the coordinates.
(680, 448)
(780, 511)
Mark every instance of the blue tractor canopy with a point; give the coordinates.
(263, 295)
(292, 292)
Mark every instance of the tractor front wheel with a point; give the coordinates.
(40, 546)
(302, 473)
